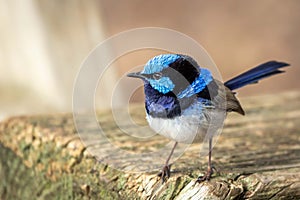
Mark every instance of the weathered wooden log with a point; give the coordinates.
(257, 157)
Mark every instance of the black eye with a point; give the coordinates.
(157, 76)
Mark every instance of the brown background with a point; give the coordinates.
(43, 43)
(237, 34)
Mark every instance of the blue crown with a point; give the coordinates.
(158, 63)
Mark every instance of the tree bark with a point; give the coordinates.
(256, 157)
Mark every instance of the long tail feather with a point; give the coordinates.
(254, 75)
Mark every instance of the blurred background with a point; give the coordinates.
(43, 43)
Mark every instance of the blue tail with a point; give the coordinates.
(254, 75)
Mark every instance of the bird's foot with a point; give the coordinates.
(164, 174)
(207, 175)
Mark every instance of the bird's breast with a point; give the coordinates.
(192, 126)
(181, 129)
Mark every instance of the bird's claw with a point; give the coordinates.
(164, 174)
(207, 175)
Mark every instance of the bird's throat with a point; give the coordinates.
(160, 105)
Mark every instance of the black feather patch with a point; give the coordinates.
(210, 91)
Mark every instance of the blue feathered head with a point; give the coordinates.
(176, 73)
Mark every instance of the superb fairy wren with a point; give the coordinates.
(183, 100)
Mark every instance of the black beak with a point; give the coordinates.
(136, 75)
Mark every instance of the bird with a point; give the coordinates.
(185, 103)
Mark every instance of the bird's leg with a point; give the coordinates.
(165, 172)
(210, 168)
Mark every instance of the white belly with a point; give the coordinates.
(188, 128)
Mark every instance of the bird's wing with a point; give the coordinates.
(226, 99)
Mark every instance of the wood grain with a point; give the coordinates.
(257, 156)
